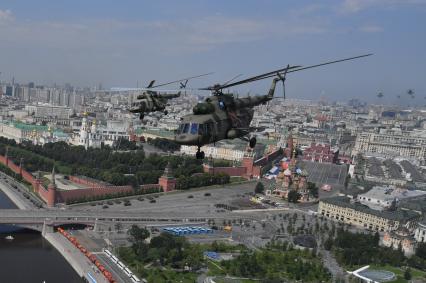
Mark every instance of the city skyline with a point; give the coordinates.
(120, 45)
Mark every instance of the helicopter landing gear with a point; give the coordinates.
(252, 142)
(199, 154)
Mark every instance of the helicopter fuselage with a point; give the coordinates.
(151, 101)
(219, 117)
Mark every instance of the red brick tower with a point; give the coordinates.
(51, 190)
(290, 144)
(167, 181)
(248, 163)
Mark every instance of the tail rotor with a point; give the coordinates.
(282, 77)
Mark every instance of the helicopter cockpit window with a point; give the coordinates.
(194, 128)
(221, 105)
(185, 129)
(180, 129)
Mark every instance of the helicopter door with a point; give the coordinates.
(210, 131)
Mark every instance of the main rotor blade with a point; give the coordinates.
(331, 62)
(290, 69)
(181, 80)
(237, 76)
(314, 66)
(258, 77)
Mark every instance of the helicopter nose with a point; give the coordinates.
(187, 139)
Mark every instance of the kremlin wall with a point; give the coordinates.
(92, 188)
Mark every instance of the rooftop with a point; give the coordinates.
(390, 193)
(27, 127)
(417, 204)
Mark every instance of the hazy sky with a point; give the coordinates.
(121, 42)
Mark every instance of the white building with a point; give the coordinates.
(392, 144)
(420, 233)
(89, 136)
(93, 135)
(48, 110)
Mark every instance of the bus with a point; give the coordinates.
(121, 265)
(114, 258)
(108, 253)
(128, 272)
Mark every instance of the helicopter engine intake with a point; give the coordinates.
(203, 108)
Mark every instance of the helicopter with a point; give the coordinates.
(222, 116)
(155, 100)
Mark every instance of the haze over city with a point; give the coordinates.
(87, 43)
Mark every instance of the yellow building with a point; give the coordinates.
(343, 210)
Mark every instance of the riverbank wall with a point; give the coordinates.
(61, 248)
(74, 257)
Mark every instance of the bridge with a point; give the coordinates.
(46, 220)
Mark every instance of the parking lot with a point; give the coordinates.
(189, 203)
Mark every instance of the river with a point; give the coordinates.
(29, 257)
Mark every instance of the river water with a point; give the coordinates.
(29, 257)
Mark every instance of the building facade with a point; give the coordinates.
(390, 145)
(420, 233)
(343, 210)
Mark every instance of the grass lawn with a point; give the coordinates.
(226, 280)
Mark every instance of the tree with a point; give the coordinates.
(376, 238)
(421, 250)
(137, 234)
(313, 189)
(293, 196)
(407, 274)
(260, 188)
(328, 244)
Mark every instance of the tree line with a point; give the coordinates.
(105, 164)
(355, 249)
(274, 263)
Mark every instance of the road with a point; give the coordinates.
(116, 272)
(15, 191)
(191, 202)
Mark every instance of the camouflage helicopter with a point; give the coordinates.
(222, 116)
(155, 100)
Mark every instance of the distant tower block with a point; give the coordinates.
(167, 181)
